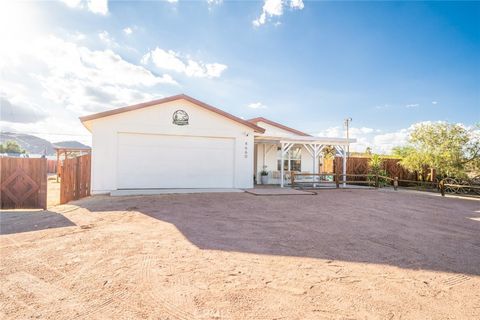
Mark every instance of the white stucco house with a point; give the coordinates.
(180, 142)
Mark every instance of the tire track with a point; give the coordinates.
(456, 280)
(147, 264)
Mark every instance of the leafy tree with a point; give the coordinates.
(451, 149)
(329, 152)
(368, 151)
(375, 168)
(11, 147)
(375, 164)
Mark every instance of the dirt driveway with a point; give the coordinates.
(342, 254)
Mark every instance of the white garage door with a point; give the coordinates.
(165, 161)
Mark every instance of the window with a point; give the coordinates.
(292, 161)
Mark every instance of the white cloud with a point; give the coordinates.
(98, 6)
(214, 2)
(379, 141)
(74, 77)
(275, 8)
(95, 6)
(413, 105)
(171, 60)
(107, 39)
(257, 105)
(434, 102)
(215, 69)
(72, 3)
(164, 60)
(172, 1)
(78, 36)
(16, 110)
(362, 130)
(297, 4)
(384, 143)
(128, 31)
(334, 132)
(48, 82)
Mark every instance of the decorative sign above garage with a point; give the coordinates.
(180, 118)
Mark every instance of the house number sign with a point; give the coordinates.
(180, 118)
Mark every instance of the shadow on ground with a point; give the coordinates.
(23, 221)
(398, 229)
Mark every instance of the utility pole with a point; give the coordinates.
(347, 125)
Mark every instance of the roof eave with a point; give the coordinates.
(279, 125)
(108, 113)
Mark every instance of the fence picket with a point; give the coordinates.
(75, 179)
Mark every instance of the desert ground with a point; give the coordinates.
(53, 191)
(340, 254)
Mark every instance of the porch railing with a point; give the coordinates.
(319, 179)
(305, 180)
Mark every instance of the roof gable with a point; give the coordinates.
(278, 125)
(169, 99)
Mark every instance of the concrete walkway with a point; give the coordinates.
(278, 192)
(146, 192)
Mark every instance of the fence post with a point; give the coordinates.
(77, 178)
(337, 182)
(442, 187)
(395, 183)
(376, 181)
(42, 193)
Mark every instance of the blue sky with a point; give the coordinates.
(388, 65)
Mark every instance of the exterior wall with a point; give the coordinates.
(158, 120)
(271, 160)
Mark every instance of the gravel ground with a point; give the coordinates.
(341, 254)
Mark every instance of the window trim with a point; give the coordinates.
(288, 159)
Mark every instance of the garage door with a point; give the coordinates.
(165, 161)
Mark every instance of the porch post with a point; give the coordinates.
(58, 163)
(281, 164)
(315, 148)
(344, 166)
(264, 145)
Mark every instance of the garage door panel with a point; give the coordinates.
(164, 161)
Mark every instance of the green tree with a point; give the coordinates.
(450, 149)
(375, 168)
(375, 164)
(11, 147)
(329, 152)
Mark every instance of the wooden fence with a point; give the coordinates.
(75, 180)
(51, 166)
(392, 167)
(23, 183)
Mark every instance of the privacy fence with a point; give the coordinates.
(392, 167)
(75, 178)
(51, 166)
(23, 183)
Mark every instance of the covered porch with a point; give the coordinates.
(277, 157)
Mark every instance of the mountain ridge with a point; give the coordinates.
(36, 145)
